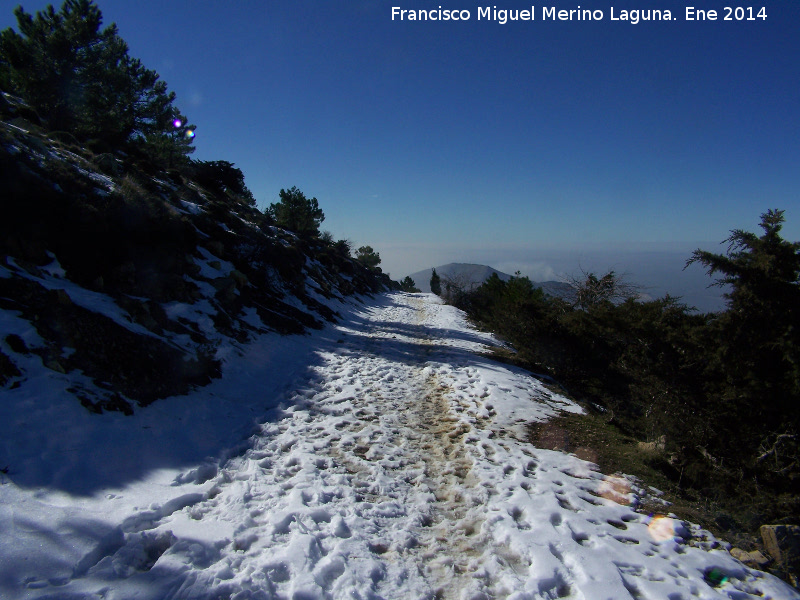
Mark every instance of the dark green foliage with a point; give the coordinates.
(142, 233)
(436, 283)
(408, 285)
(343, 247)
(221, 177)
(368, 257)
(722, 388)
(80, 79)
(598, 351)
(514, 306)
(297, 213)
(757, 357)
(55, 60)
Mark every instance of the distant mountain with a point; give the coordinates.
(470, 276)
(558, 289)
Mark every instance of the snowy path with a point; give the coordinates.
(393, 469)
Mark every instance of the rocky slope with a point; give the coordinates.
(133, 276)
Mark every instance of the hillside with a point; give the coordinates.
(134, 280)
(470, 276)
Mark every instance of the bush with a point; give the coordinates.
(723, 389)
(343, 247)
(221, 177)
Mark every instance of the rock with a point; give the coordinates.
(223, 283)
(216, 247)
(782, 542)
(751, 559)
(656, 446)
(8, 370)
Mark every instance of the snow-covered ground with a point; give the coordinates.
(382, 457)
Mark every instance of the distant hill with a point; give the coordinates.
(558, 289)
(471, 276)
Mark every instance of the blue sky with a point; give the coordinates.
(476, 142)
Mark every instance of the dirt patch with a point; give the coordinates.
(453, 532)
(592, 438)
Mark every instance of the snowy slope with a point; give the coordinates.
(378, 458)
(128, 278)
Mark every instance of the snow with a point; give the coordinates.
(104, 180)
(223, 268)
(381, 457)
(191, 207)
(53, 278)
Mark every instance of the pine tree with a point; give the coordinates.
(758, 345)
(45, 64)
(408, 285)
(80, 79)
(368, 256)
(297, 213)
(436, 283)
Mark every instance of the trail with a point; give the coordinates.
(396, 467)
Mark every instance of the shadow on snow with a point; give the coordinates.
(200, 431)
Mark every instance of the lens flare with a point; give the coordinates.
(715, 577)
(662, 528)
(177, 123)
(189, 134)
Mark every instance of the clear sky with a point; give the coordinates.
(474, 141)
